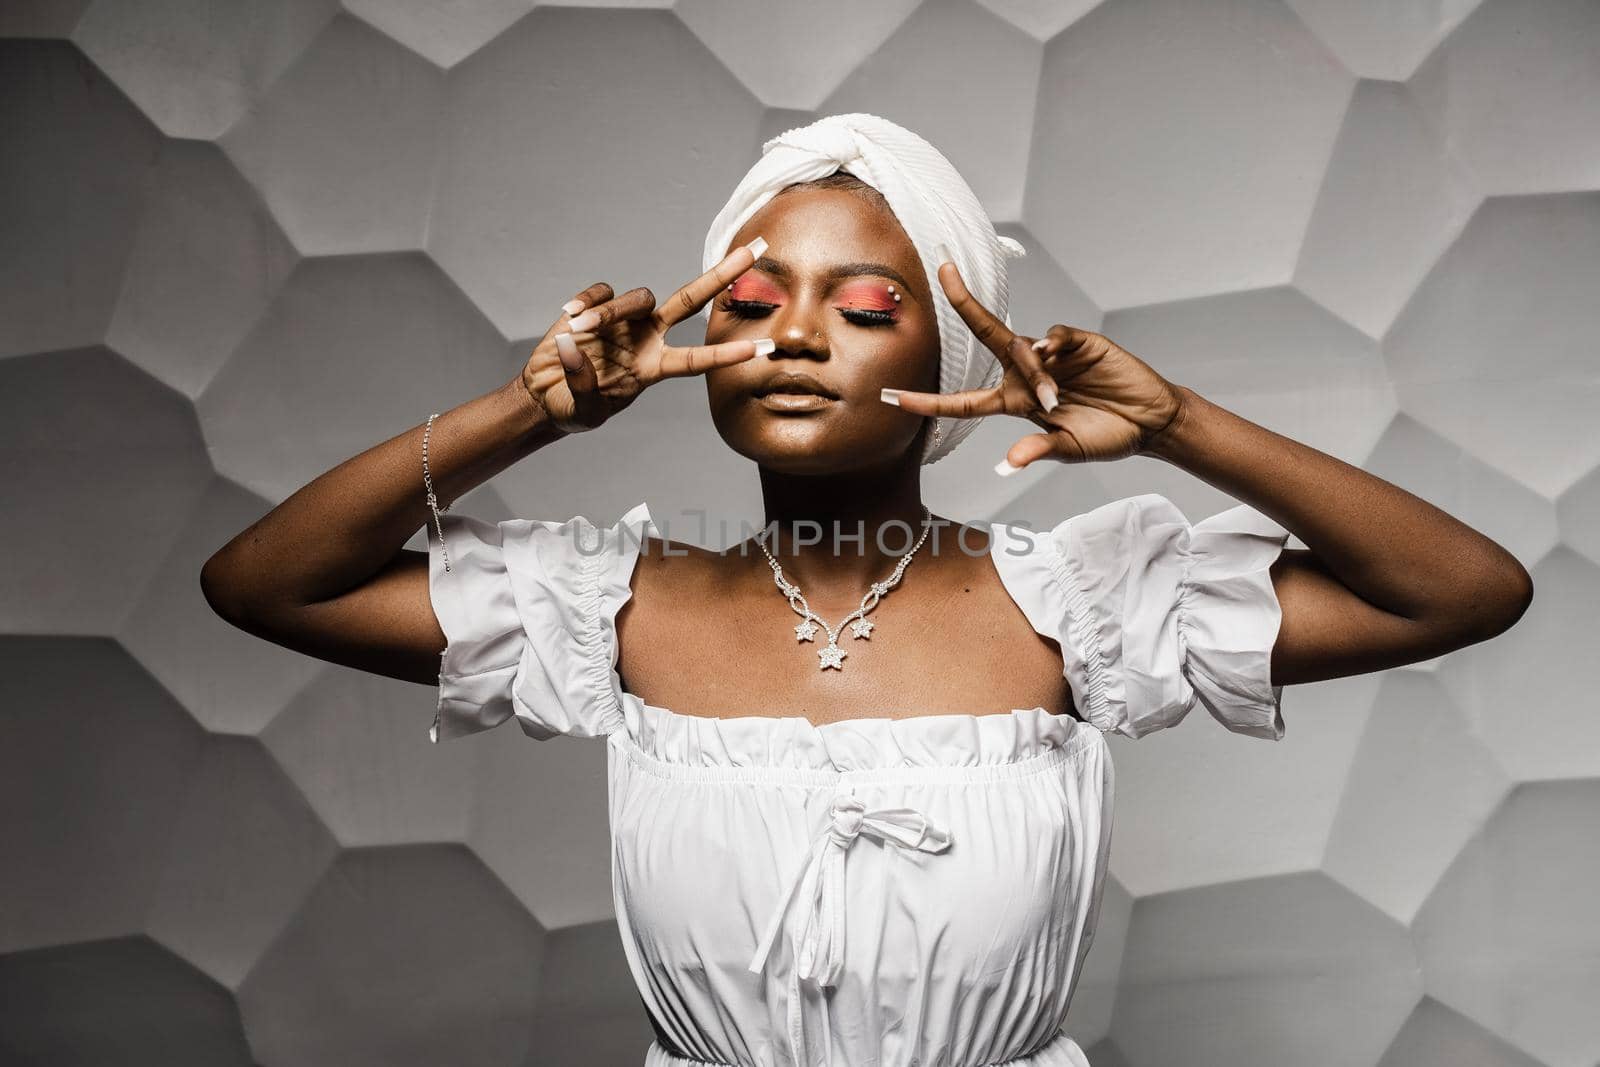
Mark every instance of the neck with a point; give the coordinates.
(836, 534)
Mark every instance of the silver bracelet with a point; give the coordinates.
(427, 481)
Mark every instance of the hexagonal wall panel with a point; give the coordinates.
(242, 242)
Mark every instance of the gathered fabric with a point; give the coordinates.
(933, 204)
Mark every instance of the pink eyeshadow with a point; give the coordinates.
(755, 288)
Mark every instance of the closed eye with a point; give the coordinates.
(755, 309)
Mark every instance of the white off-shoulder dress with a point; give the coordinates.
(917, 891)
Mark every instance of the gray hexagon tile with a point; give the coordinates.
(115, 465)
(1197, 806)
(398, 957)
(245, 849)
(194, 66)
(122, 1000)
(1041, 19)
(1377, 231)
(444, 34)
(1538, 716)
(1496, 348)
(1145, 180)
(390, 330)
(1435, 1036)
(1511, 935)
(345, 145)
(1383, 39)
(526, 214)
(824, 41)
(205, 264)
(1223, 975)
(93, 776)
(72, 182)
(1516, 91)
(1420, 786)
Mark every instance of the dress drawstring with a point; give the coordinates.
(819, 941)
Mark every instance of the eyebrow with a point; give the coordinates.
(838, 271)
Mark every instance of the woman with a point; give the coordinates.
(856, 330)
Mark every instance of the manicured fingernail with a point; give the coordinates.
(567, 349)
(758, 246)
(572, 307)
(1038, 346)
(765, 346)
(1047, 395)
(891, 396)
(1004, 468)
(943, 252)
(586, 321)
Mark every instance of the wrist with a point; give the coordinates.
(1172, 440)
(531, 423)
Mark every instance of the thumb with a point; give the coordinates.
(582, 382)
(1032, 447)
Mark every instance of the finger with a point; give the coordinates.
(697, 359)
(1033, 447)
(635, 303)
(1031, 366)
(598, 293)
(1059, 339)
(581, 380)
(993, 333)
(694, 296)
(967, 404)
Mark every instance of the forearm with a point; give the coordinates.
(1391, 548)
(337, 531)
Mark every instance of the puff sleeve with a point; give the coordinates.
(1177, 613)
(528, 609)
(1154, 615)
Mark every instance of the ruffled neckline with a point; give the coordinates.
(794, 742)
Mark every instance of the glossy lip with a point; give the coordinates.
(794, 401)
(794, 383)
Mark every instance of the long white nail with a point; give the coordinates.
(572, 307)
(758, 246)
(1038, 346)
(765, 346)
(586, 321)
(1004, 468)
(943, 252)
(1047, 395)
(890, 396)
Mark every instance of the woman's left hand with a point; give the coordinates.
(1111, 403)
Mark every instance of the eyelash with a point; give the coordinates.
(741, 309)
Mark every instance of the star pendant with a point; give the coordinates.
(806, 630)
(862, 628)
(831, 656)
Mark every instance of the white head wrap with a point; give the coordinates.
(933, 204)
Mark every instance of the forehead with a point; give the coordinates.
(830, 225)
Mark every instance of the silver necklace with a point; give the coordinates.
(831, 655)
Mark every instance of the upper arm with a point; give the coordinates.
(1328, 631)
(386, 626)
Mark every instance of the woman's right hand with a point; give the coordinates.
(594, 361)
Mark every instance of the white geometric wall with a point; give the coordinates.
(240, 242)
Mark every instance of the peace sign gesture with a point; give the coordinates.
(1093, 399)
(605, 350)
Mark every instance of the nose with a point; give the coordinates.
(799, 331)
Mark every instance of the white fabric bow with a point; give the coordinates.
(818, 944)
